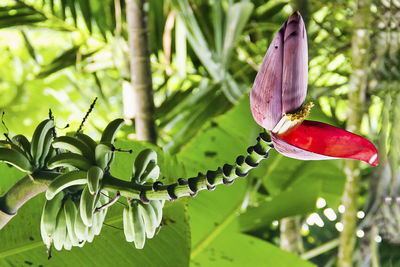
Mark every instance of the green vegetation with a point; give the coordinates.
(204, 57)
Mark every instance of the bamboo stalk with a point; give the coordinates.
(358, 85)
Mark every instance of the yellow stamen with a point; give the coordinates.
(290, 121)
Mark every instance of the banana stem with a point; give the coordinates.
(190, 187)
(21, 192)
(27, 188)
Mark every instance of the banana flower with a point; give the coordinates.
(277, 104)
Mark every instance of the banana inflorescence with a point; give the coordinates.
(76, 203)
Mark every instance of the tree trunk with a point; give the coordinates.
(290, 235)
(358, 85)
(140, 71)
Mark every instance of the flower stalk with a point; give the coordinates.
(27, 188)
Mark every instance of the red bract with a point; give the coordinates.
(277, 97)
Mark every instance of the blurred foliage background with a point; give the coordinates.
(61, 54)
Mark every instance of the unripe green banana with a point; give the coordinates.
(50, 212)
(65, 180)
(61, 230)
(151, 173)
(103, 155)
(142, 160)
(23, 143)
(74, 145)
(10, 145)
(158, 209)
(138, 227)
(127, 219)
(46, 237)
(149, 219)
(46, 148)
(17, 159)
(38, 139)
(67, 243)
(94, 175)
(111, 130)
(134, 227)
(70, 217)
(92, 230)
(51, 154)
(87, 206)
(99, 219)
(69, 160)
(87, 140)
(81, 230)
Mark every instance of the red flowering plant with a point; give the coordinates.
(277, 104)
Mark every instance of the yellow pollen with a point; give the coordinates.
(290, 121)
(301, 113)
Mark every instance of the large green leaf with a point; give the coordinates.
(216, 62)
(300, 199)
(231, 248)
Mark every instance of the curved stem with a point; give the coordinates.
(190, 187)
(21, 192)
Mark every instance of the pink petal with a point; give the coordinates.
(266, 94)
(295, 64)
(314, 140)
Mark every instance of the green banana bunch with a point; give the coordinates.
(72, 222)
(84, 152)
(41, 140)
(141, 221)
(49, 217)
(27, 156)
(145, 168)
(134, 228)
(65, 225)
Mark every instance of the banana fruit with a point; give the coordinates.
(69, 160)
(23, 143)
(70, 216)
(134, 228)
(39, 139)
(104, 155)
(74, 145)
(87, 140)
(111, 130)
(65, 180)
(141, 221)
(48, 220)
(60, 233)
(94, 175)
(145, 167)
(16, 159)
